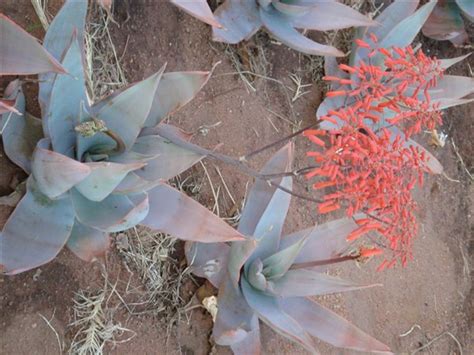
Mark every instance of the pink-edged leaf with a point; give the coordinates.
(208, 260)
(125, 113)
(199, 9)
(56, 173)
(326, 325)
(275, 202)
(21, 52)
(250, 345)
(71, 18)
(36, 231)
(306, 282)
(171, 159)
(114, 214)
(240, 21)
(280, 27)
(292, 10)
(240, 252)
(174, 91)
(235, 320)
(20, 133)
(451, 87)
(261, 193)
(8, 106)
(325, 241)
(449, 62)
(172, 212)
(132, 183)
(277, 265)
(445, 22)
(270, 312)
(88, 243)
(329, 15)
(104, 178)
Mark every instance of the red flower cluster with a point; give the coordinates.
(369, 167)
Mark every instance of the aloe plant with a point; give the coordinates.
(398, 26)
(270, 277)
(97, 168)
(446, 22)
(237, 20)
(22, 55)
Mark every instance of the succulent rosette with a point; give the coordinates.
(97, 168)
(271, 277)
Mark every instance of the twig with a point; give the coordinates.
(437, 338)
(408, 332)
(48, 322)
(461, 160)
(165, 133)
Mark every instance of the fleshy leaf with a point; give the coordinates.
(235, 319)
(269, 310)
(467, 7)
(172, 212)
(270, 225)
(88, 243)
(445, 22)
(104, 178)
(208, 260)
(240, 20)
(70, 18)
(324, 241)
(172, 160)
(326, 325)
(132, 183)
(449, 62)
(250, 345)
(404, 32)
(280, 27)
(20, 133)
(278, 264)
(305, 282)
(56, 173)
(199, 9)
(174, 91)
(330, 15)
(451, 87)
(432, 163)
(239, 254)
(21, 52)
(67, 93)
(8, 106)
(125, 113)
(261, 193)
(36, 231)
(114, 214)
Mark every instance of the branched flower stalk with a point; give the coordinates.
(367, 164)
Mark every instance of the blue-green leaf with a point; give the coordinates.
(70, 18)
(235, 319)
(64, 108)
(20, 133)
(88, 243)
(208, 260)
(306, 282)
(272, 314)
(199, 9)
(125, 113)
(21, 52)
(467, 7)
(281, 28)
(278, 264)
(324, 241)
(326, 325)
(36, 231)
(172, 212)
(56, 173)
(240, 19)
(114, 214)
(174, 91)
(104, 178)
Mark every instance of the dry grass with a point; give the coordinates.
(103, 69)
(95, 324)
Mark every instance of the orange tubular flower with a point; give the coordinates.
(368, 169)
